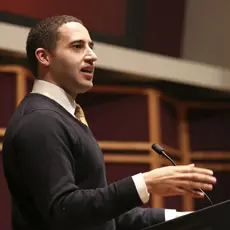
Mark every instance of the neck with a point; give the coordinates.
(49, 78)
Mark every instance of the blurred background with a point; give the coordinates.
(163, 75)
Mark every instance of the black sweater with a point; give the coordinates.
(56, 175)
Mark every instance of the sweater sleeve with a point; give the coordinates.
(140, 218)
(43, 151)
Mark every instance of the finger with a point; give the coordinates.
(190, 185)
(197, 177)
(196, 194)
(191, 169)
(178, 191)
(193, 193)
(201, 170)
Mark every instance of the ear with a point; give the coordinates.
(42, 56)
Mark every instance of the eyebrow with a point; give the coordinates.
(91, 43)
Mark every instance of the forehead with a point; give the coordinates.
(73, 31)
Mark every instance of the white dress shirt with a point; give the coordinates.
(67, 102)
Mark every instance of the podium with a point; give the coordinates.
(215, 217)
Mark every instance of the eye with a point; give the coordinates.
(78, 46)
(91, 45)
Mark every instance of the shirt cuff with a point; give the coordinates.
(139, 182)
(171, 214)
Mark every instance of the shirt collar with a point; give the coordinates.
(55, 93)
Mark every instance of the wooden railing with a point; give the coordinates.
(183, 154)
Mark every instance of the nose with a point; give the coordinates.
(91, 56)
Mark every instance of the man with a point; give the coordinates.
(53, 165)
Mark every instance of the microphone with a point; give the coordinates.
(158, 149)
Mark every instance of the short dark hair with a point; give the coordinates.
(45, 35)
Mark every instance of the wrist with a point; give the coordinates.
(148, 181)
(140, 185)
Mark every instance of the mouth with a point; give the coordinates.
(88, 72)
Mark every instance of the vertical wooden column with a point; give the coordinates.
(2, 132)
(154, 136)
(20, 86)
(185, 150)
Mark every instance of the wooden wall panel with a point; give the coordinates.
(116, 116)
(127, 120)
(209, 129)
(209, 146)
(169, 124)
(5, 201)
(8, 96)
(174, 202)
(117, 171)
(221, 191)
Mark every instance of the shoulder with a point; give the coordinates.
(43, 128)
(37, 110)
(33, 102)
(40, 122)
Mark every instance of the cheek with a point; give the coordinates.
(58, 64)
(68, 65)
(71, 65)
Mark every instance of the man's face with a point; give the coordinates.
(73, 61)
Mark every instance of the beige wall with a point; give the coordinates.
(207, 32)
